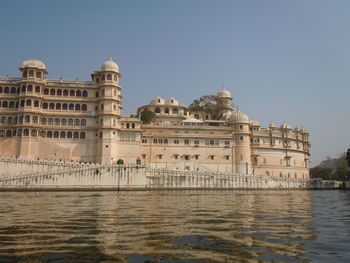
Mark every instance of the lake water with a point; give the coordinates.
(175, 226)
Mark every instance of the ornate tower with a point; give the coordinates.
(224, 103)
(240, 122)
(28, 105)
(108, 114)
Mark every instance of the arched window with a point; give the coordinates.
(11, 104)
(166, 110)
(63, 122)
(13, 90)
(64, 106)
(26, 132)
(3, 120)
(211, 142)
(29, 103)
(46, 91)
(52, 106)
(115, 92)
(115, 77)
(57, 121)
(63, 135)
(17, 104)
(82, 135)
(37, 89)
(103, 77)
(2, 133)
(14, 133)
(27, 118)
(114, 107)
(38, 74)
(30, 88)
(78, 93)
(59, 92)
(19, 132)
(157, 110)
(76, 135)
(83, 122)
(71, 106)
(76, 122)
(9, 120)
(84, 107)
(24, 74)
(35, 119)
(77, 106)
(49, 134)
(34, 133)
(70, 122)
(45, 106)
(56, 134)
(175, 111)
(18, 90)
(69, 135)
(133, 125)
(4, 104)
(31, 73)
(65, 92)
(58, 106)
(43, 134)
(109, 77)
(36, 103)
(20, 120)
(102, 107)
(0, 89)
(72, 93)
(22, 103)
(43, 121)
(23, 90)
(52, 92)
(103, 92)
(8, 133)
(6, 90)
(50, 121)
(85, 93)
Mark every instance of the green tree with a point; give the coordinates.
(342, 169)
(147, 116)
(120, 161)
(207, 104)
(324, 173)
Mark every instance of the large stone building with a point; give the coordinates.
(59, 119)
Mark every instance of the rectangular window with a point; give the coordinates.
(187, 157)
(176, 156)
(206, 142)
(176, 141)
(241, 138)
(144, 141)
(155, 141)
(165, 141)
(196, 142)
(196, 157)
(216, 142)
(143, 156)
(160, 141)
(160, 156)
(227, 143)
(212, 157)
(187, 141)
(227, 157)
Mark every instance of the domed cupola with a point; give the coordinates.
(224, 93)
(110, 65)
(239, 117)
(33, 63)
(286, 126)
(172, 101)
(158, 101)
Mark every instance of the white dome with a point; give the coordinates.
(110, 65)
(238, 117)
(157, 101)
(254, 123)
(172, 101)
(286, 126)
(224, 93)
(272, 125)
(33, 63)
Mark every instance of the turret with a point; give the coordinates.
(224, 103)
(240, 122)
(109, 108)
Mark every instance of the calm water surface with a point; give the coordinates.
(175, 226)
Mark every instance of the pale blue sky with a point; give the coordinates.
(281, 60)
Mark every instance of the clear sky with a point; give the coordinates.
(281, 60)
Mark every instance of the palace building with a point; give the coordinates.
(58, 119)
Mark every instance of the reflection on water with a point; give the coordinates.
(175, 226)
